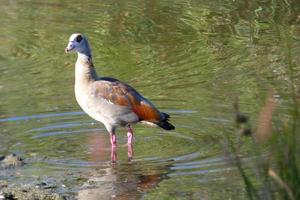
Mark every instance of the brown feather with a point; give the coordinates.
(122, 94)
(146, 112)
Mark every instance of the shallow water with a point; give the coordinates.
(191, 59)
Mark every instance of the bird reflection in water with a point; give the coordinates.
(99, 146)
(113, 154)
(118, 180)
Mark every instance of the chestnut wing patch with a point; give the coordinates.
(146, 112)
(116, 92)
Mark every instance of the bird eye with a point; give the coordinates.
(79, 38)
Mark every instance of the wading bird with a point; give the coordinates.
(109, 100)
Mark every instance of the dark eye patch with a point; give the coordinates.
(79, 38)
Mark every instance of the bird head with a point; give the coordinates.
(78, 43)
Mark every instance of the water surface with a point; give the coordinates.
(190, 58)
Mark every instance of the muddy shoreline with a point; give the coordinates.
(107, 183)
(10, 189)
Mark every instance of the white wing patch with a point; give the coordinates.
(109, 101)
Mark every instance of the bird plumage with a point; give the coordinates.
(109, 100)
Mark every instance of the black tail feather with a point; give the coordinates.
(166, 116)
(165, 124)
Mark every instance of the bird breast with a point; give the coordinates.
(103, 110)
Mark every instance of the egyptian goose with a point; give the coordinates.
(109, 100)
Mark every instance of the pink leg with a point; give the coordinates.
(113, 139)
(129, 152)
(129, 143)
(129, 136)
(113, 155)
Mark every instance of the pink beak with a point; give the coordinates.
(69, 48)
(66, 50)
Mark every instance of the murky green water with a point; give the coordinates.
(190, 58)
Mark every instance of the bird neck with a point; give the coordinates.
(84, 56)
(84, 69)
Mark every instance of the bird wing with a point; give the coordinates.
(118, 93)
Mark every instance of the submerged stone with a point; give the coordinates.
(29, 193)
(11, 160)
